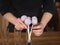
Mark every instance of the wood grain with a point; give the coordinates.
(47, 38)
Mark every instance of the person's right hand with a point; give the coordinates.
(19, 25)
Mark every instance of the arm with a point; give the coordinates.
(49, 12)
(19, 25)
(44, 21)
(46, 18)
(6, 10)
(10, 17)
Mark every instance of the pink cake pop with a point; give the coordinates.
(27, 21)
(34, 20)
(23, 17)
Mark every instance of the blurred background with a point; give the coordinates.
(51, 35)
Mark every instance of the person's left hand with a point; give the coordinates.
(38, 29)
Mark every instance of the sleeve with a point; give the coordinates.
(49, 6)
(5, 6)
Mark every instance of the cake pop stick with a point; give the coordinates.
(33, 22)
(28, 22)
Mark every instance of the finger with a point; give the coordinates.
(18, 26)
(23, 26)
(22, 23)
(38, 32)
(36, 27)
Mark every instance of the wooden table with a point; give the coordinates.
(48, 38)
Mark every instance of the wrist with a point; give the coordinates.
(43, 25)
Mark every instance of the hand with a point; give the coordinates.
(38, 29)
(19, 25)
